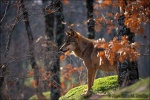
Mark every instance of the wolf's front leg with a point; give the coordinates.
(89, 81)
(93, 75)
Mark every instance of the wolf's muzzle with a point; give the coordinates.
(62, 50)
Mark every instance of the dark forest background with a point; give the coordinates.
(31, 33)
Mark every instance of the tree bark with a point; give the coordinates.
(1, 75)
(1, 79)
(128, 70)
(54, 67)
(49, 30)
(59, 40)
(90, 23)
(59, 26)
(49, 21)
(4, 64)
(31, 51)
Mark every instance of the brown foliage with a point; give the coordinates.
(31, 73)
(136, 12)
(117, 51)
(63, 56)
(67, 77)
(34, 83)
(66, 2)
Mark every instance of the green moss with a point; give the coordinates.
(28, 82)
(139, 90)
(106, 83)
(75, 93)
(46, 94)
(100, 85)
(109, 85)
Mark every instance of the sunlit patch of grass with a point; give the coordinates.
(137, 91)
(109, 86)
(100, 85)
(46, 94)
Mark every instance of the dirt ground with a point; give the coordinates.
(96, 96)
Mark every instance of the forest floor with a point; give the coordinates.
(107, 88)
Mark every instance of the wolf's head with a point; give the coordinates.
(71, 41)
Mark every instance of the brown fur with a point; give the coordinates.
(84, 48)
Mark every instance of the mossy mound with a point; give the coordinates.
(101, 85)
(107, 88)
(139, 90)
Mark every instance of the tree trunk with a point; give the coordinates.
(1, 78)
(4, 64)
(49, 30)
(59, 40)
(59, 26)
(31, 51)
(91, 23)
(49, 20)
(1, 75)
(128, 70)
(54, 66)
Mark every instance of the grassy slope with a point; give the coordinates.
(139, 90)
(100, 85)
(108, 85)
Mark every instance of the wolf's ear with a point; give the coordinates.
(74, 33)
(67, 33)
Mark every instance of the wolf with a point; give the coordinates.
(84, 48)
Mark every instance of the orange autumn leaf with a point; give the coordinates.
(110, 14)
(48, 74)
(49, 84)
(62, 85)
(30, 73)
(62, 57)
(71, 25)
(45, 77)
(66, 2)
(49, 11)
(135, 24)
(34, 83)
(117, 15)
(111, 27)
(104, 45)
(121, 59)
(81, 68)
(97, 27)
(121, 3)
(107, 2)
(100, 54)
(96, 12)
(42, 70)
(116, 47)
(118, 50)
(141, 30)
(67, 53)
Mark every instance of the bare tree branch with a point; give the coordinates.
(7, 7)
(31, 50)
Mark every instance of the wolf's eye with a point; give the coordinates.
(68, 43)
(73, 43)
